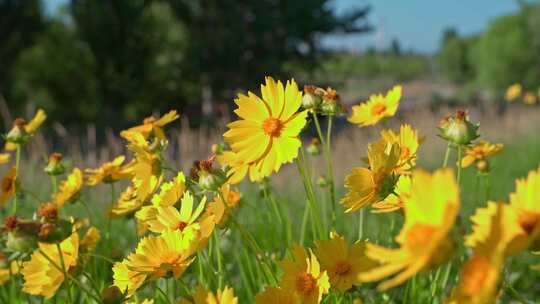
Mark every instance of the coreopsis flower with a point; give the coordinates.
(157, 256)
(222, 204)
(8, 269)
(408, 141)
(529, 98)
(479, 153)
(394, 201)
(70, 189)
(127, 280)
(273, 295)
(127, 202)
(368, 186)
(146, 168)
(43, 274)
(302, 276)
(342, 263)
(4, 158)
(153, 126)
(266, 135)
(458, 129)
(513, 92)
(9, 185)
(481, 274)
(376, 108)
(23, 131)
(526, 202)
(171, 192)
(54, 165)
(203, 296)
(430, 212)
(145, 301)
(109, 172)
(237, 168)
(162, 218)
(90, 239)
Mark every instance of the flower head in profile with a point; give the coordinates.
(513, 92)
(273, 295)
(90, 239)
(127, 280)
(302, 276)
(152, 126)
(127, 203)
(203, 296)
(222, 204)
(430, 212)
(9, 185)
(22, 130)
(342, 263)
(408, 141)
(394, 201)
(479, 153)
(69, 190)
(43, 274)
(368, 186)
(4, 158)
(157, 256)
(481, 274)
(376, 108)
(109, 172)
(266, 135)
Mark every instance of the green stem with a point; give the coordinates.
(308, 187)
(54, 184)
(488, 186)
(70, 298)
(17, 167)
(361, 224)
(217, 249)
(109, 219)
(446, 155)
(163, 294)
(458, 164)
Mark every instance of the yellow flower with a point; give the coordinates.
(127, 202)
(90, 239)
(408, 141)
(8, 271)
(220, 209)
(109, 172)
(368, 186)
(145, 301)
(479, 153)
(152, 126)
(171, 192)
(43, 274)
(30, 128)
(4, 158)
(513, 92)
(237, 167)
(273, 295)
(529, 98)
(480, 275)
(203, 296)
(430, 212)
(146, 168)
(343, 264)
(525, 200)
(9, 185)
(302, 276)
(127, 280)
(266, 136)
(162, 218)
(376, 108)
(69, 190)
(156, 256)
(394, 201)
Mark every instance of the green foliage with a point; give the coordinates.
(455, 57)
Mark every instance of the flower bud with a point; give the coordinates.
(54, 166)
(311, 98)
(208, 177)
(314, 147)
(482, 166)
(18, 134)
(331, 102)
(48, 211)
(55, 232)
(458, 129)
(21, 242)
(322, 181)
(218, 149)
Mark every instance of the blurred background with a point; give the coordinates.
(111, 63)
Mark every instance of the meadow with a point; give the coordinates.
(237, 227)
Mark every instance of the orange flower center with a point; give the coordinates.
(305, 283)
(272, 126)
(343, 268)
(474, 275)
(420, 235)
(180, 226)
(528, 221)
(405, 153)
(378, 109)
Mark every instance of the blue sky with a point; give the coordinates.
(417, 24)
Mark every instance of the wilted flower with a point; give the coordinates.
(54, 166)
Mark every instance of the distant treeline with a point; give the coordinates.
(106, 61)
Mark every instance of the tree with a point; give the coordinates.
(455, 59)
